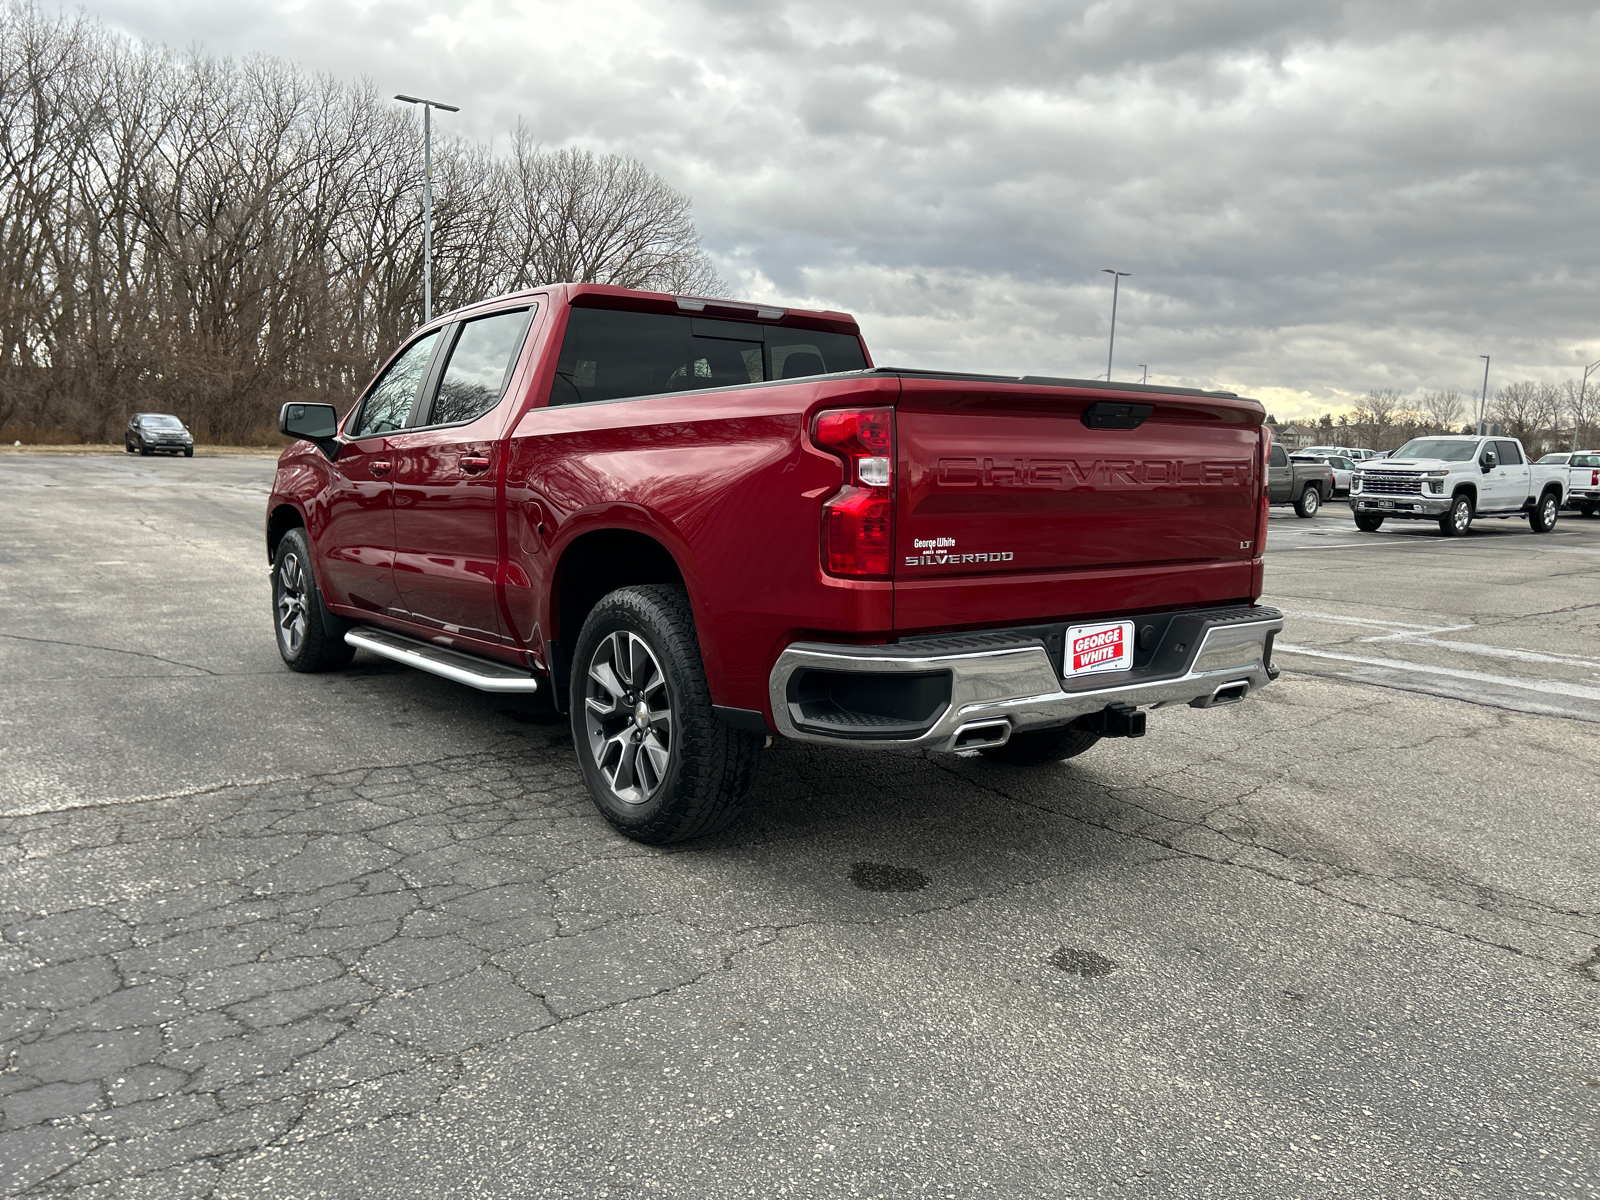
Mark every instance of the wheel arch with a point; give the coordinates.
(279, 521)
(1471, 490)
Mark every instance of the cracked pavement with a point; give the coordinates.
(363, 935)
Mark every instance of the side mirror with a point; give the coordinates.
(1490, 461)
(314, 422)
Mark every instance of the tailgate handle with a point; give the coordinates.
(1108, 414)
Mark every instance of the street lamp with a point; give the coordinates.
(1483, 401)
(1145, 378)
(1583, 389)
(1116, 280)
(427, 196)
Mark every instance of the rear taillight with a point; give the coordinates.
(1260, 547)
(858, 519)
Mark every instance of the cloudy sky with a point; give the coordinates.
(1314, 198)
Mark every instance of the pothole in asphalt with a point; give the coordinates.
(881, 877)
(1086, 963)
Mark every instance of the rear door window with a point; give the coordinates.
(389, 402)
(1510, 453)
(609, 354)
(479, 367)
(1279, 457)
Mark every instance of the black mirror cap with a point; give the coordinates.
(313, 422)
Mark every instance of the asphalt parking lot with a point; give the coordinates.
(363, 935)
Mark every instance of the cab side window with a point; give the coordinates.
(480, 366)
(1279, 458)
(1510, 453)
(389, 402)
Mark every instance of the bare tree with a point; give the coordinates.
(1444, 410)
(1528, 411)
(587, 218)
(212, 237)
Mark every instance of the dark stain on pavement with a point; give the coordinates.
(1086, 963)
(881, 877)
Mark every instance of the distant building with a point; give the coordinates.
(1296, 437)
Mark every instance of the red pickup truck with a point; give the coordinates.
(693, 524)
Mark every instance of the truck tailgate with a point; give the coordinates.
(1024, 501)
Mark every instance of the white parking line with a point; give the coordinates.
(1374, 623)
(1551, 687)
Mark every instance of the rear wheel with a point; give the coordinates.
(1308, 504)
(1543, 517)
(308, 638)
(1458, 520)
(1588, 510)
(1367, 523)
(1034, 747)
(658, 764)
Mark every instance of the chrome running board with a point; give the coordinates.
(485, 674)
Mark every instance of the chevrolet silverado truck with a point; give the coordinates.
(691, 525)
(1454, 480)
(1306, 485)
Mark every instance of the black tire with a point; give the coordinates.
(1368, 523)
(127, 446)
(189, 452)
(658, 764)
(309, 638)
(1034, 747)
(1458, 520)
(1542, 517)
(1308, 504)
(143, 449)
(1588, 510)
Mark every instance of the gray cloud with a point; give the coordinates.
(1314, 198)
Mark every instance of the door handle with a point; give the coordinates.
(474, 465)
(380, 467)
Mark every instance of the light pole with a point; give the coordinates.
(1583, 389)
(427, 196)
(1116, 281)
(1143, 379)
(1483, 401)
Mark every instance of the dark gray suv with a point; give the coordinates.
(150, 432)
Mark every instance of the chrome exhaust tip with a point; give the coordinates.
(980, 735)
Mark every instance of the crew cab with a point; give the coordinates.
(1583, 481)
(692, 525)
(1454, 479)
(1305, 483)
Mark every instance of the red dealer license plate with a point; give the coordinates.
(1095, 648)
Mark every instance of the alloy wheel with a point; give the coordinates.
(291, 604)
(627, 714)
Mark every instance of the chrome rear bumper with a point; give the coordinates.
(1011, 679)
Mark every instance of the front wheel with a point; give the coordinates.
(308, 638)
(1367, 523)
(658, 763)
(1458, 520)
(1035, 747)
(1543, 517)
(1310, 500)
(188, 452)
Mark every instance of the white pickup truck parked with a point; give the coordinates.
(1452, 480)
(1583, 482)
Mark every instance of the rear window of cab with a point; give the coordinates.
(610, 354)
